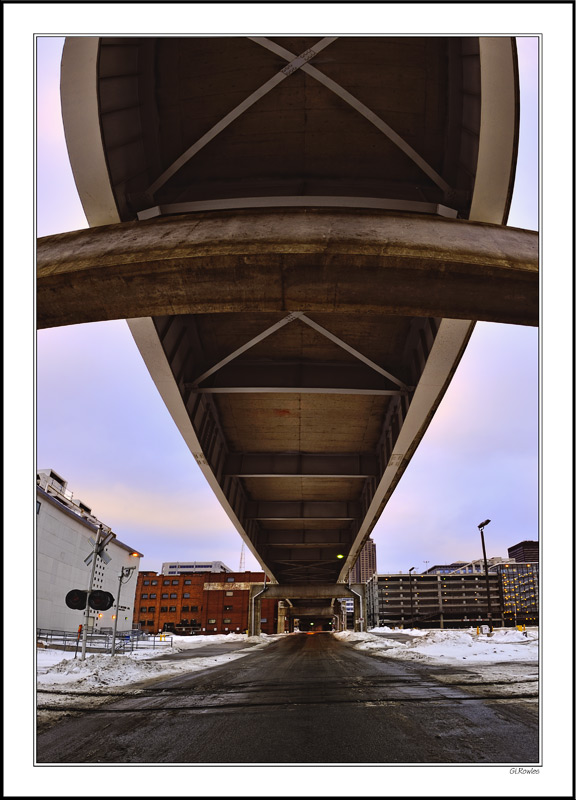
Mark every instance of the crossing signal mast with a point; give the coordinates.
(242, 566)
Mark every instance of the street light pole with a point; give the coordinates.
(125, 572)
(481, 529)
(411, 601)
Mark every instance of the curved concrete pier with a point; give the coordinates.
(290, 260)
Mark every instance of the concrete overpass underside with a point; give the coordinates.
(301, 233)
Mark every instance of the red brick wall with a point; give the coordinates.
(208, 592)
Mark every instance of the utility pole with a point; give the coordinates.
(98, 546)
(125, 572)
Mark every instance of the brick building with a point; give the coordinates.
(205, 603)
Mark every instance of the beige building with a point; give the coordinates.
(64, 527)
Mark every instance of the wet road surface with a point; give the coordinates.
(306, 699)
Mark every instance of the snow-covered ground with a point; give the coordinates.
(56, 668)
(59, 669)
(502, 651)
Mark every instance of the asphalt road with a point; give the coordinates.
(307, 699)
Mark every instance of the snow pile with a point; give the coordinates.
(56, 667)
(452, 646)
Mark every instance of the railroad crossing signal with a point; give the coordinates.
(98, 548)
(76, 599)
(98, 599)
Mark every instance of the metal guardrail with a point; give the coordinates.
(126, 642)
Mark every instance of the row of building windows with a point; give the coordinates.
(184, 608)
(176, 582)
(150, 622)
(173, 608)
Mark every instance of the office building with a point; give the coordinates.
(519, 592)
(191, 567)
(525, 552)
(365, 566)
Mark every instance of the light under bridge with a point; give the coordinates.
(301, 233)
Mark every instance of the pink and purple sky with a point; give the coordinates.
(82, 399)
(102, 425)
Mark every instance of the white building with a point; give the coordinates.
(177, 568)
(63, 528)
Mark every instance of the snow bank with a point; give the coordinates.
(56, 667)
(452, 646)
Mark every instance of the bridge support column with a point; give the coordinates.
(359, 590)
(255, 609)
(282, 609)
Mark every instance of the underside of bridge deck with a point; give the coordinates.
(301, 232)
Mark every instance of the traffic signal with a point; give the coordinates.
(76, 598)
(100, 601)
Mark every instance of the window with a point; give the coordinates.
(150, 622)
(226, 620)
(152, 596)
(152, 609)
(142, 622)
(185, 608)
(146, 583)
(174, 583)
(143, 609)
(227, 608)
(154, 583)
(229, 594)
(193, 608)
(144, 597)
(165, 583)
(211, 622)
(172, 608)
(187, 583)
(230, 580)
(165, 596)
(186, 594)
(163, 609)
(173, 596)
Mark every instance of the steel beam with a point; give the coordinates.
(297, 539)
(308, 509)
(358, 106)
(317, 465)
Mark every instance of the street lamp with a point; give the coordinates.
(481, 529)
(125, 572)
(411, 602)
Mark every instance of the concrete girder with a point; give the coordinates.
(294, 591)
(290, 260)
(311, 611)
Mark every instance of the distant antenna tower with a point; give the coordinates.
(242, 566)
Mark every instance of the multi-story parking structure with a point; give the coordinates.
(432, 601)
(205, 603)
